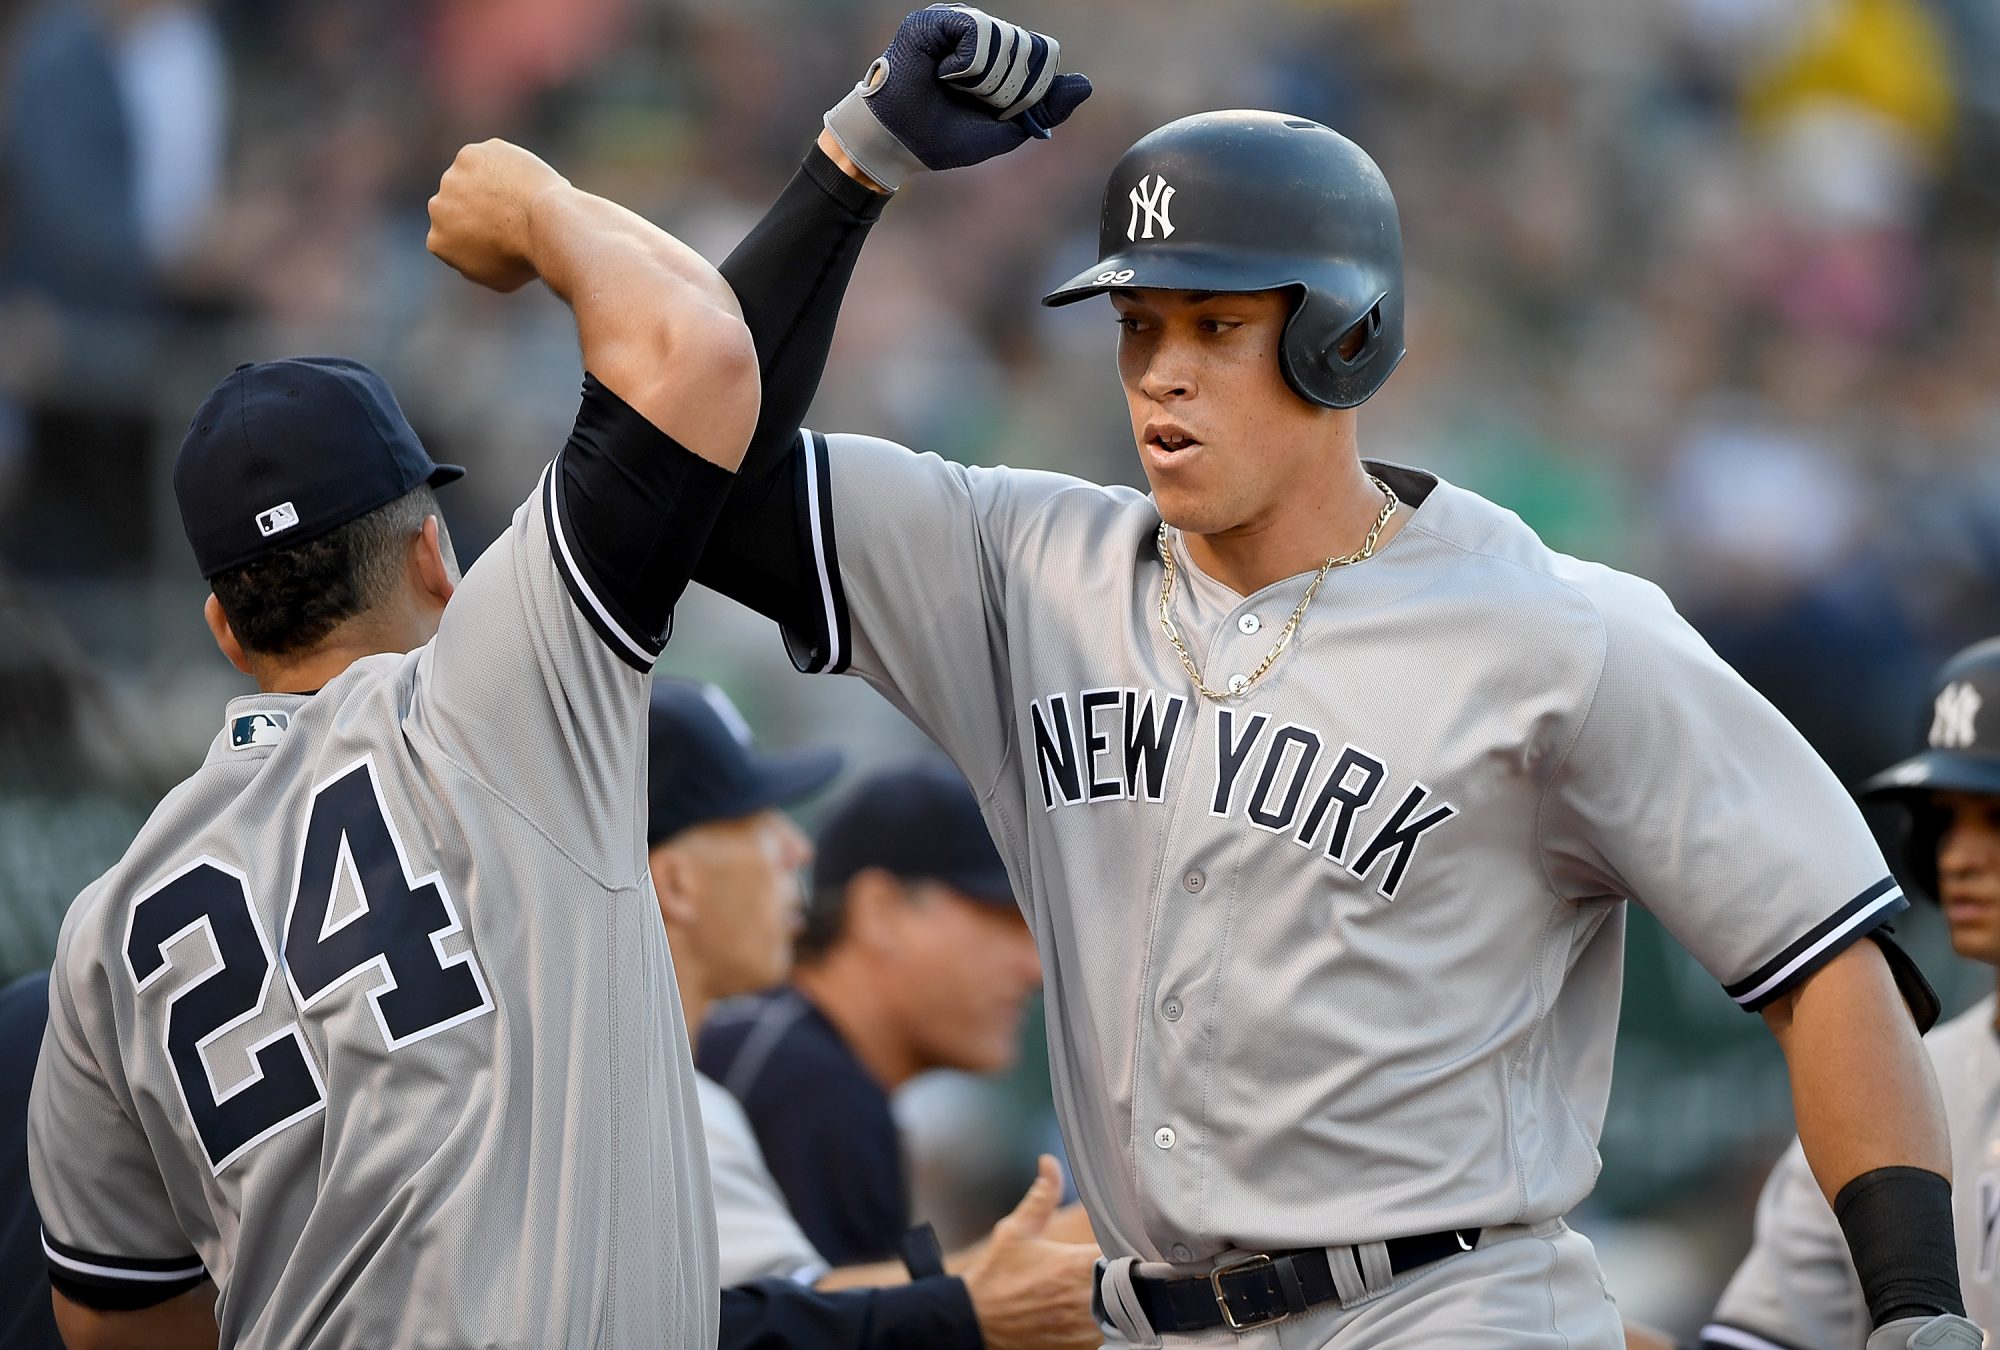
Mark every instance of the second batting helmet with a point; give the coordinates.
(1258, 201)
(1961, 754)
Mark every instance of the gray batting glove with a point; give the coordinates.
(1943, 1332)
(956, 87)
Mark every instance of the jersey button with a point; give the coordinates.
(1164, 1136)
(1171, 1010)
(1238, 683)
(1193, 882)
(1183, 1252)
(1249, 623)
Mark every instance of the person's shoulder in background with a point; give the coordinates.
(823, 1122)
(27, 1319)
(773, 1050)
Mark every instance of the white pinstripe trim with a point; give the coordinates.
(1736, 1336)
(819, 554)
(646, 654)
(120, 1272)
(1882, 902)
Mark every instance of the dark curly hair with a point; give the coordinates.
(289, 601)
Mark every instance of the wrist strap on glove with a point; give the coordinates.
(1945, 1332)
(874, 150)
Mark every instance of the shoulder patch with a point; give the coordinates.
(258, 728)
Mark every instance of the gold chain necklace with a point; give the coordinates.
(1239, 684)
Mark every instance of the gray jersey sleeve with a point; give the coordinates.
(1797, 1287)
(914, 555)
(757, 1236)
(106, 1218)
(1683, 789)
(539, 697)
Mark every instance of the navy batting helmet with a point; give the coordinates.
(1961, 754)
(1258, 201)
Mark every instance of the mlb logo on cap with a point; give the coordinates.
(280, 517)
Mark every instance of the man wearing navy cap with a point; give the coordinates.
(914, 957)
(725, 861)
(371, 1038)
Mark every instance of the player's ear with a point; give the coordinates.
(673, 882)
(225, 636)
(875, 910)
(431, 558)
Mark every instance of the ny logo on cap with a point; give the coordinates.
(280, 517)
(1952, 717)
(1150, 201)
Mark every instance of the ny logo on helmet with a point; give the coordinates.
(1953, 716)
(1150, 201)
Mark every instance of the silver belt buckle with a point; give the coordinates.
(1222, 1299)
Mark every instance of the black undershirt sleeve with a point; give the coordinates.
(930, 1314)
(118, 1295)
(628, 511)
(790, 274)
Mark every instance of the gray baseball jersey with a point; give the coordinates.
(375, 1022)
(756, 1234)
(1337, 960)
(1797, 1287)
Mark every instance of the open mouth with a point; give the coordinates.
(1172, 442)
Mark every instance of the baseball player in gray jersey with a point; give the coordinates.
(1797, 1289)
(1324, 783)
(371, 1038)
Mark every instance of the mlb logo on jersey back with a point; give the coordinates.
(258, 728)
(280, 517)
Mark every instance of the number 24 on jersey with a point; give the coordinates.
(395, 935)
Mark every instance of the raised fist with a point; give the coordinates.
(956, 87)
(480, 215)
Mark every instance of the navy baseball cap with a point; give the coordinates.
(704, 766)
(918, 821)
(281, 452)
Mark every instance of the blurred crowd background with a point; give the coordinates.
(1707, 289)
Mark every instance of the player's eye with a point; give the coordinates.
(1219, 325)
(1130, 323)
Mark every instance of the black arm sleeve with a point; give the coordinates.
(932, 1314)
(790, 274)
(628, 512)
(1898, 1225)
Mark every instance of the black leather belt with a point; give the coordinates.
(1251, 1291)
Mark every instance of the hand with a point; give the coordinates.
(1071, 1224)
(1032, 1293)
(1943, 1332)
(955, 87)
(480, 217)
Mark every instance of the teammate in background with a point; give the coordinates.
(725, 865)
(1798, 1286)
(371, 1038)
(914, 957)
